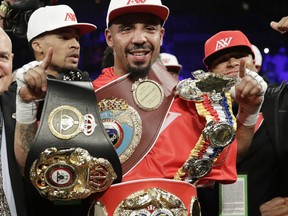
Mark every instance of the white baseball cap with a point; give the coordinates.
(120, 7)
(258, 55)
(53, 17)
(170, 60)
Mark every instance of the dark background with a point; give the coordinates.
(189, 25)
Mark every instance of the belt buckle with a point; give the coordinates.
(220, 134)
(70, 174)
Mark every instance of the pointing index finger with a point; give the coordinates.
(242, 68)
(47, 60)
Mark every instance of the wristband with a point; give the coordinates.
(20, 72)
(246, 118)
(260, 81)
(25, 111)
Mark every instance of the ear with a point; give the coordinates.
(36, 46)
(162, 32)
(108, 37)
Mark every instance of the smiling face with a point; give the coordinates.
(66, 49)
(136, 40)
(6, 60)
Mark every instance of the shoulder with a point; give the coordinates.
(104, 78)
(275, 90)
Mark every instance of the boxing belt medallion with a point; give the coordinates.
(149, 197)
(72, 156)
(127, 109)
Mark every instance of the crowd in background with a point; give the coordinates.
(186, 32)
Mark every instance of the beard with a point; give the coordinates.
(138, 71)
(62, 69)
(135, 73)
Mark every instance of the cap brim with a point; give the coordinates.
(161, 11)
(83, 28)
(209, 59)
(176, 67)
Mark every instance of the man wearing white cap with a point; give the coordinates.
(258, 57)
(171, 63)
(164, 130)
(54, 34)
(56, 37)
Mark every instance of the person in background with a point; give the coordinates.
(3, 10)
(108, 58)
(277, 103)
(53, 33)
(12, 199)
(258, 65)
(259, 158)
(171, 63)
(258, 57)
(58, 39)
(135, 32)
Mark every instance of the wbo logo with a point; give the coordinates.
(136, 2)
(223, 43)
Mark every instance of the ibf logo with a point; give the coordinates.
(223, 43)
(70, 17)
(130, 2)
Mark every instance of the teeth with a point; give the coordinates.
(139, 54)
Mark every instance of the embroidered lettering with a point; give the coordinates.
(223, 43)
(70, 17)
(135, 2)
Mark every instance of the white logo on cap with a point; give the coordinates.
(223, 43)
(135, 1)
(70, 17)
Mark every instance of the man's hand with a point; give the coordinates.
(33, 81)
(249, 94)
(251, 88)
(278, 206)
(281, 26)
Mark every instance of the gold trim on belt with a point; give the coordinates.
(70, 174)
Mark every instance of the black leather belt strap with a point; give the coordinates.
(80, 95)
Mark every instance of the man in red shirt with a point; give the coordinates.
(167, 143)
(135, 32)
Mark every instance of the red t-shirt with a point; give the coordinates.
(179, 134)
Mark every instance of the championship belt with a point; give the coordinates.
(127, 109)
(72, 156)
(211, 95)
(148, 197)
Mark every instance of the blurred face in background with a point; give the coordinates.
(6, 61)
(228, 64)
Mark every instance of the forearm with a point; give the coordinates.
(24, 137)
(244, 136)
(26, 111)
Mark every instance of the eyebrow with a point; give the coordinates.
(5, 53)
